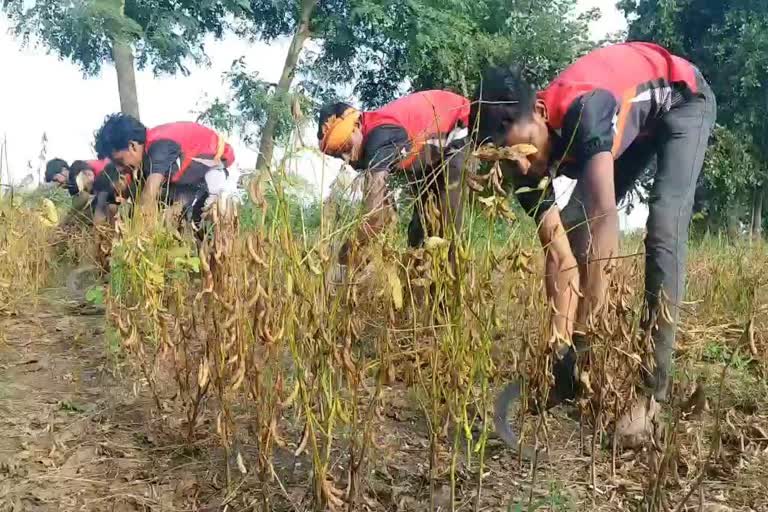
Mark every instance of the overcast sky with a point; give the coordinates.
(42, 94)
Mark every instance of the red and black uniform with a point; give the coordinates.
(640, 103)
(183, 152)
(78, 166)
(612, 99)
(396, 134)
(97, 166)
(612, 96)
(424, 134)
(172, 149)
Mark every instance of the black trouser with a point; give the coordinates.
(192, 198)
(679, 144)
(436, 177)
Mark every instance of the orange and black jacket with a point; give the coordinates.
(606, 101)
(394, 135)
(171, 150)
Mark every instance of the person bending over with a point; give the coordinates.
(167, 163)
(57, 172)
(423, 135)
(601, 121)
(83, 173)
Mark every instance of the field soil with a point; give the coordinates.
(76, 434)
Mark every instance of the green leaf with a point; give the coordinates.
(189, 263)
(95, 295)
(66, 405)
(194, 264)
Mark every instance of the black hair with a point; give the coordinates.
(106, 183)
(76, 168)
(54, 167)
(117, 132)
(502, 98)
(328, 111)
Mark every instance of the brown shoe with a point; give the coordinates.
(636, 427)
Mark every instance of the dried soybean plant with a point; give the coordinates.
(333, 374)
(455, 324)
(151, 266)
(25, 250)
(617, 351)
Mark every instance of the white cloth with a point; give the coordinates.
(221, 182)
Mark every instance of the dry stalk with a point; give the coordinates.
(715, 443)
(25, 252)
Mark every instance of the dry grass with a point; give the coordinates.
(25, 253)
(380, 387)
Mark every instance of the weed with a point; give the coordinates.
(68, 406)
(95, 295)
(554, 501)
(719, 352)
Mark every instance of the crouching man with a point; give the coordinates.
(600, 122)
(57, 172)
(423, 135)
(176, 162)
(83, 173)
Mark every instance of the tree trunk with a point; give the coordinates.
(267, 144)
(732, 227)
(122, 54)
(757, 213)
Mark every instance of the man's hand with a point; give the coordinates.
(377, 212)
(603, 221)
(150, 195)
(561, 274)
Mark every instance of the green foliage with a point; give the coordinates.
(717, 351)
(444, 44)
(728, 41)
(730, 169)
(113, 342)
(249, 104)
(33, 198)
(95, 295)
(556, 501)
(303, 213)
(164, 33)
(69, 406)
(742, 60)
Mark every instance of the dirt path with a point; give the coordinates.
(72, 435)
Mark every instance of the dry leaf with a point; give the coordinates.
(203, 373)
(48, 214)
(489, 152)
(396, 287)
(240, 464)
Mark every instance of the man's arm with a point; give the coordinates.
(381, 150)
(561, 273)
(151, 193)
(603, 218)
(589, 129)
(164, 158)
